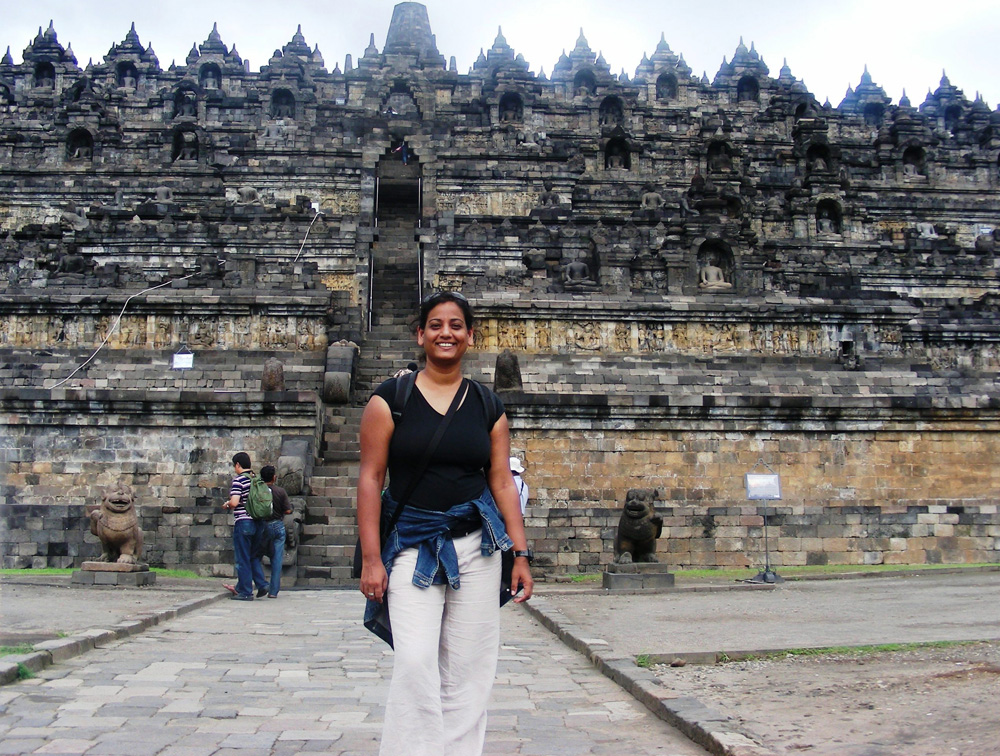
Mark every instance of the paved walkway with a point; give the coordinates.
(929, 606)
(173, 670)
(301, 675)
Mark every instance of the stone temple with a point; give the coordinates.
(698, 278)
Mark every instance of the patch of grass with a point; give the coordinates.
(642, 660)
(20, 648)
(39, 571)
(816, 569)
(23, 673)
(188, 574)
(587, 578)
(846, 650)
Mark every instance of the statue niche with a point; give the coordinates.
(45, 76)
(715, 264)
(914, 162)
(584, 84)
(617, 156)
(719, 158)
(748, 90)
(71, 268)
(282, 104)
(185, 146)
(639, 528)
(185, 104)
(127, 76)
(611, 113)
(651, 204)
(828, 217)
(873, 114)
(511, 108)
(577, 276)
(666, 87)
(210, 76)
(818, 159)
(80, 146)
(550, 204)
(548, 198)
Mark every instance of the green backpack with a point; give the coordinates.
(259, 501)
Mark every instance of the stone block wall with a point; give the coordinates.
(696, 274)
(152, 370)
(896, 494)
(58, 454)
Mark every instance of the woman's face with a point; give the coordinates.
(445, 337)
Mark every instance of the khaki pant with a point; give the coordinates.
(446, 647)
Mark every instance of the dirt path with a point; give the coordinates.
(926, 702)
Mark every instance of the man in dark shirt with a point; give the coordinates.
(274, 535)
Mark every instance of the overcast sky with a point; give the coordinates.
(905, 43)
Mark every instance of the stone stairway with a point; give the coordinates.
(330, 530)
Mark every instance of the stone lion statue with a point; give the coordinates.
(638, 528)
(116, 524)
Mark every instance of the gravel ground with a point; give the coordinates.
(924, 702)
(34, 609)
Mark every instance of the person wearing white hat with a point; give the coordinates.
(522, 488)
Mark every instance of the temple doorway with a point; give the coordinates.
(396, 264)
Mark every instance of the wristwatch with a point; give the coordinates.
(527, 554)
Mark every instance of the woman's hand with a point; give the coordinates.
(374, 581)
(521, 580)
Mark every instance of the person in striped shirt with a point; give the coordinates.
(246, 531)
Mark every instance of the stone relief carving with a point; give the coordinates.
(585, 336)
(657, 338)
(345, 202)
(500, 204)
(511, 335)
(164, 331)
(652, 338)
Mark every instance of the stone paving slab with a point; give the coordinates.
(929, 606)
(47, 607)
(301, 675)
(606, 630)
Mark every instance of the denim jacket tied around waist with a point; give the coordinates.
(428, 531)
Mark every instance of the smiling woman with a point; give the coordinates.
(452, 506)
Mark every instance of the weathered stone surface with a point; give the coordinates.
(112, 577)
(113, 567)
(694, 274)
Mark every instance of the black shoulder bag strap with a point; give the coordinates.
(404, 387)
(435, 440)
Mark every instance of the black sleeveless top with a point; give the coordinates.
(456, 471)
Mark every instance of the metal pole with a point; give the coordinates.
(420, 247)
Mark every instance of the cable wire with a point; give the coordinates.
(114, 327)
(303, 244)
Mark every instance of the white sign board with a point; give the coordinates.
(763, 486)
(183, 360)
